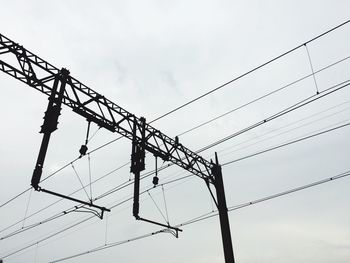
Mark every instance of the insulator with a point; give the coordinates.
(155, 180)
(83, 150)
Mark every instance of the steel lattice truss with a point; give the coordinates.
(39, 74)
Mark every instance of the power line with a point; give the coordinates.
(59, 200)
(75, 224)
(285, 126)
(225, 85)
(46, 238)
(239, 107)
(273, 196)
(262, 97)
(284, 112)
(251, 71)
(113, 190)
(42, 222)
(15, 197)
(281, 113)
(181, 178)
(230, 208)
(290, 191)
(215, 118)
(74, 208)
(287, 110)
(210, 215)
(44, 179)
(109, 245)
(239, 77)
(287, 143)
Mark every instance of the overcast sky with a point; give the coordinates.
(150, 57)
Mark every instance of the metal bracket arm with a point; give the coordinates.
(160, 224)
(103, 209)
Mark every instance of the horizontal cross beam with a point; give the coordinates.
(39, 74)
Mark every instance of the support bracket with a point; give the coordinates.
(103, 209)
(49, 126)
(138, 165)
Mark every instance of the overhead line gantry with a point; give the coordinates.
(62, 88)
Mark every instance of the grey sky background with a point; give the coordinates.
(150, 57)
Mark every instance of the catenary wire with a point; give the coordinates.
(184, 177)
(118, 188)
(187, 131)
(273, 196)
(42, 222)
(298, 105)
(187, 176)
(261, 97)
(319, 36)
(285, 126)
(61, 199)
(44, 179)
(113, 190)
(210, 215)
(75, 208)
(203, 95)
(81, 221)
(287, 110)
(233, 110)
(251, 71)
(287, 143)
(320, 95)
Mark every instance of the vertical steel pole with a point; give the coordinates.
(223, 215)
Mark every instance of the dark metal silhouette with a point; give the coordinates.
(93, 106)
(84, 148)
(223, 215)
(50, 123)
(138, 165)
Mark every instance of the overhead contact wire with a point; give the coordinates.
(166, 114)
(210, 215)
(252, 70)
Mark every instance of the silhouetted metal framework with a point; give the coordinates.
(62, 88)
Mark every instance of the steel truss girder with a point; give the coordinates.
(39, 74)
